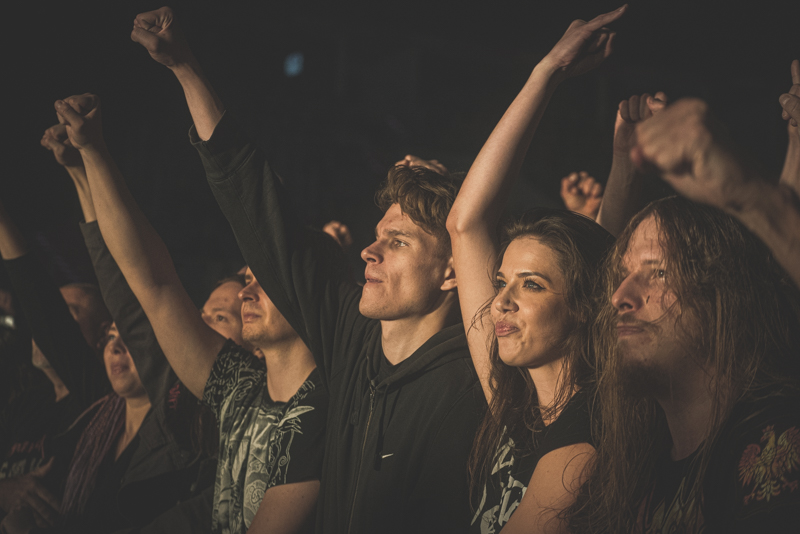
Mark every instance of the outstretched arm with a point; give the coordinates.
(190, 345)
(473, 219)
(131, 321)
(163, 39)
(622, 198)
(690, 150)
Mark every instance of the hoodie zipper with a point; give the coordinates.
(361, 459)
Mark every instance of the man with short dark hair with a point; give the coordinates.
(405, 400)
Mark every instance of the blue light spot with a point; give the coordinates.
(293, 64)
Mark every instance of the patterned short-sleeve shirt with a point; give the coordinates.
(751, 484)
(263, 443)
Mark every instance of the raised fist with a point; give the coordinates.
(56, 140)
(632, 111)
(432, 164)
(581, 193)
(161, 37)
(693, 154)
(790, 102)
(81, 118)
(340, 232)
(584, 45)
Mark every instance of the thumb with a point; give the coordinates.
(43, 470)
(147, 39)
(791, 105)
(50, 144)
(68, 114)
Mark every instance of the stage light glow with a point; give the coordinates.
(293, 64)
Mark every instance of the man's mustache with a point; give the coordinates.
(626, 320)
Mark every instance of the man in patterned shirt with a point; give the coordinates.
(272, 420)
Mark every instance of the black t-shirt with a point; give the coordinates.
(508, 483)
(263, 443)
(751, 484)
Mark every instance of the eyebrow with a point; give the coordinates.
(526, 274)
(394, 233)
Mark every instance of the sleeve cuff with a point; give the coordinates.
(91, 235)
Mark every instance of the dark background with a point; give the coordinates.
(380, 80)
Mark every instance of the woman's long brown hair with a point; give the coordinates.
(580, 244)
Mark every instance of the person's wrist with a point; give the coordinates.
(94, 150)
(547, 69)
(185, 67)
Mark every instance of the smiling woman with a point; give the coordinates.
(540, 357)
(529, 323)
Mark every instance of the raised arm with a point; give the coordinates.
(623, 196)
(163, 39)
(475, 214)
(790, 175)
(190, 345)
(691, 151)
(132, 323)
(304, 273)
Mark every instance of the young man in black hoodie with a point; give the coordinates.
(404, 397)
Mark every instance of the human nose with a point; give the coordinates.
(504, 301)
(247, 293)
(629, 295)
(372, 254)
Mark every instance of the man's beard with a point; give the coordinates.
(642, 380)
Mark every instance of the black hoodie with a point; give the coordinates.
(398, 437)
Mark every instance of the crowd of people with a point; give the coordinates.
(607, 367)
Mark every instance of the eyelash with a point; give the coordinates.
(527, 284)
(534, 286)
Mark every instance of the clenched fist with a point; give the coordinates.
(631, 112)
(790, 101)
(161, 37)
(81, 118)
(582, 194)
(56, 140)
(692, 152)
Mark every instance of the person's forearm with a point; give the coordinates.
(622, 196)
(774, 216)
(189, 345)
(204, 104)
(491, 177)
(134, 244)
(78, 175)
(129, 317)
(12, 244)
(790, 175)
